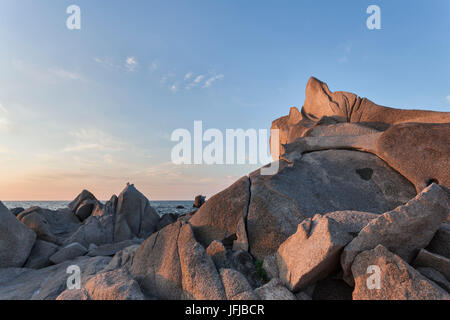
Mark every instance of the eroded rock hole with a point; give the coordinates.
(365, 173)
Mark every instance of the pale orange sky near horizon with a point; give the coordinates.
(159, 187)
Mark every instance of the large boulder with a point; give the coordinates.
(435, 276)
(199, 201)
(16, 211)
(312, 253)
(16, 240)
(441, 241)
(319, 182)
(404, 230)
(111, 285)
(135, 217)
(221, 215)
(419, 151)
(85, 209)
(321, 103)
(111, 249)
(50, 225)
(40, 255)
(156, 264)
(37, 222)
(171, 264)
(81, 198)
(123, 258)
(217, 251)
(331, 288)
(68, 252)
(343, 114)
(96, 230)
(431, 260)
(47, 283)
(397, 279)
(236, 285)
(200, 279)
(274, 290)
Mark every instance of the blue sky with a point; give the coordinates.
(94, 108)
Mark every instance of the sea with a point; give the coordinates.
(162, 207)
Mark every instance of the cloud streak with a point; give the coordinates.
(131, 63)
(94, 139)
(210, 81)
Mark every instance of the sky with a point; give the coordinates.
(95, 108)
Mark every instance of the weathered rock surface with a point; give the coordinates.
(244, 262)
(49, 225)
(16, 240)
(220, 216)
(332, 289)
(236, 285)
(312, 253)
(112, 248)
(156, 264)
(352, 221)
(112, 285)
(166, 219)
(40, 255)
(84, 210)
(422, 161)
(274, 290)
(441, 241)
(432, 260)
(398, 280)
(320, 182)
(16, 211)
(171, 264)
(320, 103)
(404, 231)
(135, 217)
(218, 253)
(34, 220)
(199, 201)
(47, 283)
(200, 277)
(68, 252)
(123, 258)
(96, 230)
(82, 197)
(270, 266)
(436, 277)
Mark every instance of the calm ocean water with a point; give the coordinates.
(162, 207)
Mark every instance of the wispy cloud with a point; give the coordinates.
(131, 63)
(194, 82)
(174, 87)
(166, 77)
(188, 75)
(210, 81)
(106, 62)
(64, 74)
(94, 139)
(4, 121)
(448, 98)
